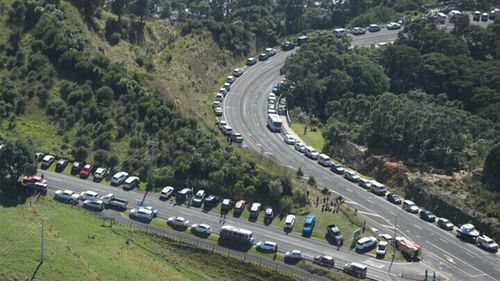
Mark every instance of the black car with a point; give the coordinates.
(334, 235)
(269, 214)
(61, 164)
(287, 46)
(326, 261)
(263, 56)
(427, 216)
(394, 198)
(445, 224)
(76, 167)
(210, 202)
(227, 205)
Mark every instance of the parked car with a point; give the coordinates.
(110, 201)
(324, 160)
(287, 46)
(352, 176)
(358, 30)
(254, 210)
(61, 164)
(382, 248)
(326, 261)
(364, 183)
(149, 207)
(237, 138)
(289, 139)
(230, 79)
(100, 173)
(267, 246)
(394, 198)
(85, 171)
(337, 168)
(131, 182)
(484, 17)
(334, 235)
(393, 26)
(385, 236)
(269, 215)
(210, 202)
(445, 224)
(487, 243)
(270, 52)
(218, 111)
(311, 153)
(427, 215)
(76, 167)
(294, 255)
(301, 40)
(355, 269)
(366, 243)
(239, 206)
(373, 28)
(183, 195)
(119, 178)
(39, 156)
(300, 147)
(95, 204)
(198, 198)
(89, 194)
(289, 223)
(202, 228)
(263, 57)
(251, 61)
(226, 205)
(141, 214)
(178, 222)
(409, 206)
(166, 192)
(309, 222)
(238, 72)
(66, 196)
(47, 160)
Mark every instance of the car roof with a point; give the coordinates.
(90, 192)
(167, 188)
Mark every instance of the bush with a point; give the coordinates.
(115, 38)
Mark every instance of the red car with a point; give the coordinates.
(85, 171)
(239, 206)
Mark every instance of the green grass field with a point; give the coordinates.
(314, 139)
(79, 247)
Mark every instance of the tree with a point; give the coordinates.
(491, 170)
(275, 190)
(461, 23)
(118, 7)
(89, 8)
(140, 9)
(293, 10)
(300, 173)
(403, 65)
(311, 181)
(16, 159)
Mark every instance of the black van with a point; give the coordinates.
(183, 195)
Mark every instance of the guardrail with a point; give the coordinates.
(284, 269)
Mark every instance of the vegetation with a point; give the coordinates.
(81, 238)
(16, 159)
(429, 101)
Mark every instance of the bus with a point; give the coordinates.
(274, 122)
(232, 233)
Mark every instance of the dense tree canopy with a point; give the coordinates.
(16, 159)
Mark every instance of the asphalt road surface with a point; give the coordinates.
(245, 110)
(309, 246)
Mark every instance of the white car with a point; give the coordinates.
(365, 243)
(358, 30)
(131, 182)
(393, 26)
(271, 96)
(151, 208)
(178, 221)
(198, 198)
(230, 79)
(267, 246)
(311, 153)
(487, 243)
(66, 195)
(100, 173)
(88, 195)
(119, 178)
(218, 111)
(289, 139)
(166, 192)
(47, 161)
(202, 228)
(409, 206)
(141, 213)
(382, 248)
(96, 204)
(385, 236)
(300, 147)
(270, 51)
(294, 255)
(238, 72)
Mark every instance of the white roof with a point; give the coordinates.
(271, 243)
(47, 158)
(144, 211)
(236, 229)
(100, 170)
(355, 264)
(167, 189)
(120, 174)
(90, 192)
(289, 218)
(409, 202)
(255, 206)
(131, 179)
(324, 156)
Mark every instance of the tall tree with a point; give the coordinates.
(293, 10)
(89, 8)
(491, 170)
(16, 159)
(118, 7)
(140, 9)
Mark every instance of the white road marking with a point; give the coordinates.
(374, 264)
(417, 226)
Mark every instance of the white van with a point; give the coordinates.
(356, 269)
(324, 160)
(311, 153)
(227, 130)
(364, 183)
(289, 223)
(377, 188)
(409, 206)
(340, 32)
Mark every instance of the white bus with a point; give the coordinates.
(232, 233)
(274, 122)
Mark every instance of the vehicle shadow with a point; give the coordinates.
(201, 235)
(238, 246)
(17, 196)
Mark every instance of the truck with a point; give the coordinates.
(274, 122)
(35, 183)
(110, 201)
(409, 247)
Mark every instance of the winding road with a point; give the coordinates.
(245, 110)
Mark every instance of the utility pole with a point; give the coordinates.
(41, 242)
(394, 245)
(152, 151)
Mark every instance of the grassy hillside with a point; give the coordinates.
(79, 247)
